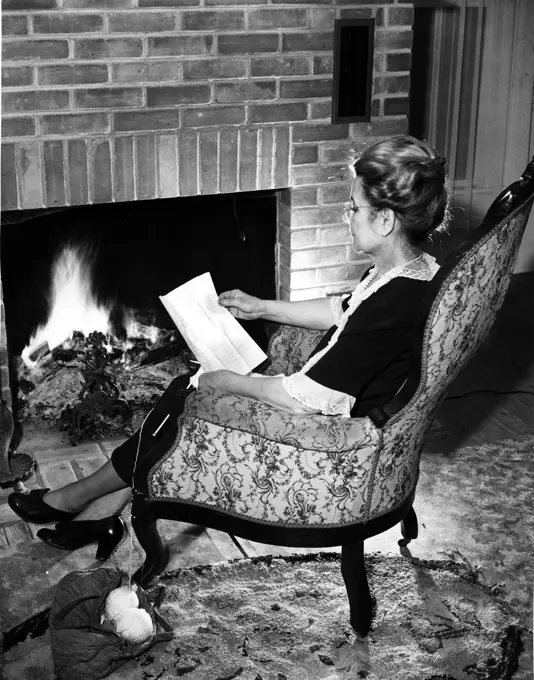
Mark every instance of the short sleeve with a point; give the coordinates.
(336, 305)
(318, 397)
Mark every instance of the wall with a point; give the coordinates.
(116, 100)
(472, 96)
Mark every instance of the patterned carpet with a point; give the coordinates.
(481, 500)
(287, 619)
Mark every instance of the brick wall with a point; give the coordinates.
(117, 100)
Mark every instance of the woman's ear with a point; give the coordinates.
(385, 221)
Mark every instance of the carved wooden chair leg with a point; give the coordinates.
(144, 523)
(409, 528)
(355, 577)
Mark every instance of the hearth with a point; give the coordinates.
(92, 346)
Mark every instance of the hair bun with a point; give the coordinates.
(406, 175)
(430, 169)
(436, 166)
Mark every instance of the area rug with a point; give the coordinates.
(477, 506)
(274, 618)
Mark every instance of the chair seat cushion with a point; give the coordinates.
(245, 458)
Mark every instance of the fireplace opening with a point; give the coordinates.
(123, 256)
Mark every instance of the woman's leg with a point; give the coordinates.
(117, 474)
(106, 506)
(77, 496)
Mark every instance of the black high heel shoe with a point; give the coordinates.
(108, 532)
(31, 508)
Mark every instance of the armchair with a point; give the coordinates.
(257, 472)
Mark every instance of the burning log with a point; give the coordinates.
(40, 351)
(99, 387)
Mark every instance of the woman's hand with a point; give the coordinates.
(241, 305)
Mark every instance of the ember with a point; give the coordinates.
(98, 386)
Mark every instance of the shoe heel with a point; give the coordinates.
(108, 543)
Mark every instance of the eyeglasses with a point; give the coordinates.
(347, 217)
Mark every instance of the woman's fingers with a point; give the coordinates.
(229, 297)
(228, 300)
(239, 304)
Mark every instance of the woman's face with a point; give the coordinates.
(364, 238)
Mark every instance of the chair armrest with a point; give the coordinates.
(290, 347)
(304, 431)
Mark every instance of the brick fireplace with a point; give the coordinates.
(106, 101)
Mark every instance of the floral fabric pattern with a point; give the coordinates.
(290, 348)
(248, 459)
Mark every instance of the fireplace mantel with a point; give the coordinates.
(120, 100)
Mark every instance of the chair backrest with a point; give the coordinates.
(462, 305)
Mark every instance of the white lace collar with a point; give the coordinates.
(424, 268)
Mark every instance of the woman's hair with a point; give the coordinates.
(408, 176)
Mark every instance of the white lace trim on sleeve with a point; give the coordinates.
(316, 396)
(335, 305)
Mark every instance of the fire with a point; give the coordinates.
(73, 306)
(136, 330)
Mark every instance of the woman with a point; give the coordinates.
(398, 198)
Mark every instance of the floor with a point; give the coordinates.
(500, 406)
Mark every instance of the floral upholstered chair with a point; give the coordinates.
(264, 474)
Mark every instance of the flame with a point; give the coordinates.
(73, 306)
(136, 330)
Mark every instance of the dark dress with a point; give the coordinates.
(371, 358)
(370, 361)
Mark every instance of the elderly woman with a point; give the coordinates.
(398, 199)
